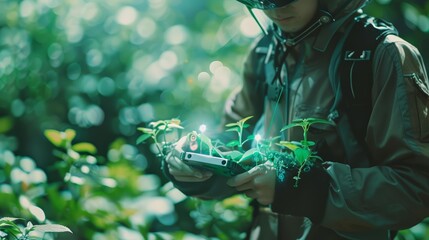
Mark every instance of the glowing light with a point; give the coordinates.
(176, 35)
(203, 128)
(215, 65)
(146, 27)
(204, 77)
(126, 15)
(258, 137)
(168, 60)
(249, 28)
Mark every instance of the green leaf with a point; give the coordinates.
(291, 126)
(229, 125)
(246, 125)
(70, 134)
(85, 147)
(301, 155)
(51, 228)
(319, 120)
(233, 143)
(143, 138)
(9, 219)
(248, 154)
(173, 125)
(145, 130)
(250, 137)
(6, 123)
(289, 145)
(233, 129)
(308, 143)
(157, 124)
(245, 119)
(55, 137)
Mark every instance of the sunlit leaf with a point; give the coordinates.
(146, 130)
(85, 147)
(38, 213)
(51, 228)
(9, 219)
(245, 119)
(70, 134)
(173, 125)
(231, 125)
(55, 137)
(290, 145)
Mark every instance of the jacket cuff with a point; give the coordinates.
(213, 188)
(307, 198)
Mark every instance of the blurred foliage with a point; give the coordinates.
(105, 68)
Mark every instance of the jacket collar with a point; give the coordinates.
(325, 35)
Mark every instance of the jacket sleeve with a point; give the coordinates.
(243, 102)
(393, 193)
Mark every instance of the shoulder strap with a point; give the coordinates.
(356, 74)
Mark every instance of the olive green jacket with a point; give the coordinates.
(365, 198)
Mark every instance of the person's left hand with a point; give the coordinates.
(257, 183)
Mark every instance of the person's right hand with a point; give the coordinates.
(180, 170)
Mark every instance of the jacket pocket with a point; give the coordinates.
(420, 107)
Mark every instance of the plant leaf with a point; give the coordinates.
(301, 155)
(143, 138)
(319, 120)
(245, 119)
(248, 154)
(70, 134)
(52, 228)
(231, 125)
(290, 145)
(9, 219)
(145, 130)
(173, 125)
(233, 143)
(290, 126)
(85, 147)
(233, 129)
(55, 137)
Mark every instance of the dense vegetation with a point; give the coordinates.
(95, 71)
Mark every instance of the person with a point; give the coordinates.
(374, 188)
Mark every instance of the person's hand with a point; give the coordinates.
(180, 170)
(257, 183)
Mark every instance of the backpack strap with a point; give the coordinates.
(356, 74)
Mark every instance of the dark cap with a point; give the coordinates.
(265, 4)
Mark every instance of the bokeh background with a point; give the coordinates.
(105, 68)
